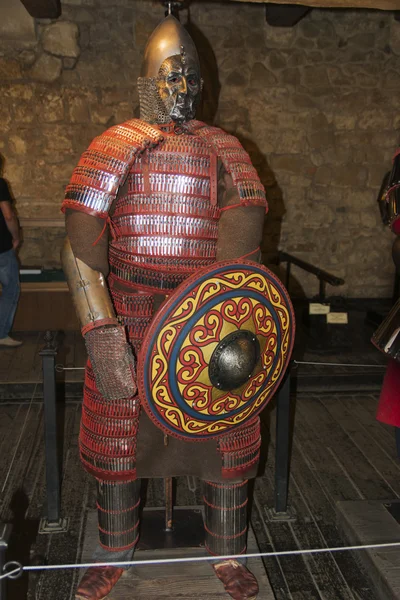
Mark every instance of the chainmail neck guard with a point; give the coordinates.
(152, 109)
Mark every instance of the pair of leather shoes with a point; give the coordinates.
(98, 582)
(239, 583)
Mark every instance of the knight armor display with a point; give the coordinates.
(151, 204)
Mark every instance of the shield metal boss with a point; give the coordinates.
(216, 350)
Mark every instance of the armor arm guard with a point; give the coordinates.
(393, 195)
(240, 227)
(89, 291)
(109, 352)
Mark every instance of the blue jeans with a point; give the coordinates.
(9, 279)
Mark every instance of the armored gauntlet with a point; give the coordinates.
(112, 361)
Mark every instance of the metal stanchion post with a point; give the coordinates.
(52, 522)
(282, 446)
(280, 511)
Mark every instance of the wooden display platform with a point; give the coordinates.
(186, 581)
(369, 522)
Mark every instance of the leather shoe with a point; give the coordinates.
(238, 581)
(98, 582)
(9, 342)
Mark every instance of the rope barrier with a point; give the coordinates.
(15, 573)
(60, 368)
(333, 364)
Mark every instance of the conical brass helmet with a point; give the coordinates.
(168, 39)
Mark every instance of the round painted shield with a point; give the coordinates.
(216, 350)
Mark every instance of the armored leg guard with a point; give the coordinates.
(225, 517)
(118, 512)
(226, 534)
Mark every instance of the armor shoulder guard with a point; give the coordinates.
(105, 164)
(393, 195)
(236, 162)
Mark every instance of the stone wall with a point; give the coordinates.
(316, 106)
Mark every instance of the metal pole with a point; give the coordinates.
(48, 355)
(282, 445)
(321, 290)
(168, 491)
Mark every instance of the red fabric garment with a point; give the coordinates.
(389, 402)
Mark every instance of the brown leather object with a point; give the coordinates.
(98, 582)
(240, 227)
(89, 239)
(239, 583)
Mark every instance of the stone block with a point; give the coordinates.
(374, 119)
(321, 139)
(236, 79)
(27, 57)
(61, 39)
(315, 76)
(280, 37)
(261, 77)
(394, 36)
(68, 62)
(103, 115)
(290, 76)
(296, 164)
(391, 79)
(323, 175)
(47, 68)
(17, 145)
(51, 108)
(57, 142)
(376, 174)
(16, 25)
(9, 69)
(352, 175)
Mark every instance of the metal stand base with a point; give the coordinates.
(60, 526)
(288, 515)
(187, 530)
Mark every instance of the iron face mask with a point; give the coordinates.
(179, 85)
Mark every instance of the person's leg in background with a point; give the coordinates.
(9, 279)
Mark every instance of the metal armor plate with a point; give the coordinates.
(216, 350)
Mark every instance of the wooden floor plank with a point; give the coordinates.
(383, 468)
(20, 458)
(317, 494)
(63, 546)
(365, 410)
(336, 446)
(322, 568)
